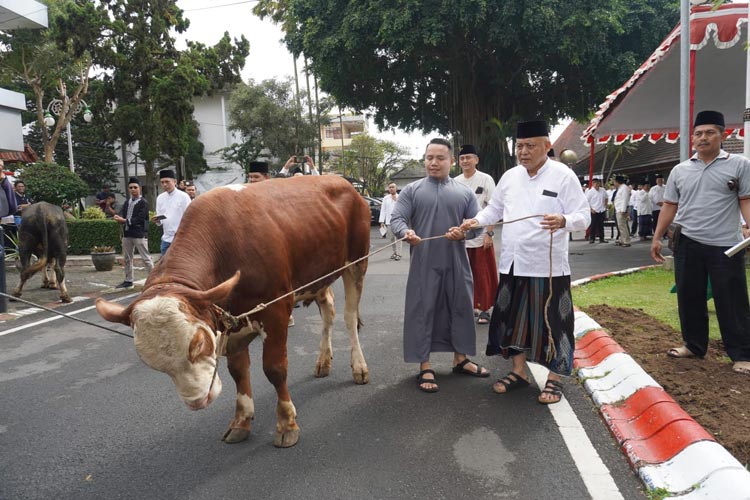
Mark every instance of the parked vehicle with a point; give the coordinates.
(374, 209)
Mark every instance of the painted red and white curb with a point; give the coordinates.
(669, 450)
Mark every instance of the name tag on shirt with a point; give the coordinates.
(549, 193)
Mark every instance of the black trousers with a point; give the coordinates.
(655, 218)
(596, 229)
(694, 263)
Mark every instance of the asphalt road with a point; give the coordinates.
(81, 417)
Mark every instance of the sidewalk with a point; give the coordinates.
(81, 278)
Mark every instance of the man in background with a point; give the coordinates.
(22, 200)
(257, 172)
(386, 209)
(191, 190)
(656, 194)
(170, 206)
(134, 218)
(481, 250)
(597, 198)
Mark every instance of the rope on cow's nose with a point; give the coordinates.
(49, 309)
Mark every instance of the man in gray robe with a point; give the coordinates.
(439, 314)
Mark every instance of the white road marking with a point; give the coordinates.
(55, 318)
(594, 473)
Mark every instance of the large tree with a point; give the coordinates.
(268, 119)
(373, 161)
(151, 84)
(54, 63)
(472, 68)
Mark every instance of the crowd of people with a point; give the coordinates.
(636, 202)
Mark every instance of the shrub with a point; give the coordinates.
(92, 213)
(53, 183)
(84, 234)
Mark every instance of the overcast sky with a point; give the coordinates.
(268, 58)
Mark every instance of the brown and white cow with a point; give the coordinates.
(239, 246)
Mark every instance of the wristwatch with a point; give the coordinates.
(490, 233)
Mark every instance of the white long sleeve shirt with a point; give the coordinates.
(597, 199)
(525, 245)
(656, 193)
(172, 205)
(386, 209)
(622, 198)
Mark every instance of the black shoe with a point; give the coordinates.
(125, 284)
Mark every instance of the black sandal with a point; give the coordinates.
(421, 380)
(461, 369)
(511, 381)
(553, 387)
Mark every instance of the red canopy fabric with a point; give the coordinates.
(648, 106)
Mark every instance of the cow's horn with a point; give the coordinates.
(111, 311)
(222, 290)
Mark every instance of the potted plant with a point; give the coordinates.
(103, 257)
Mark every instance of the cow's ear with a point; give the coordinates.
(116, 313)
(199, 345)
(222, 290)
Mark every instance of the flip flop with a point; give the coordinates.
(421, 380)
(553, 387)
(742, 367)
(681, 352)
(484, 318)
(511, 381)
(461, 369)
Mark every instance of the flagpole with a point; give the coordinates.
(746, 115)
(684, 79)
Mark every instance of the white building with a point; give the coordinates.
(16, 14)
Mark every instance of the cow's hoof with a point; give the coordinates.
(361, 377)
(322, 370)
(66, 299)
(286, 439)
(16, 293)
(52, 286)
(233, 436)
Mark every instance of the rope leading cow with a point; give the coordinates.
(237, 247)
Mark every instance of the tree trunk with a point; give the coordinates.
(125, 173)
(151, 183)
(319, 163)
(309, 102)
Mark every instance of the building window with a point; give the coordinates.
(333, 132)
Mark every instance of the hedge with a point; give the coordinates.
(84, 234)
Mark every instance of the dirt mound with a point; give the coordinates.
(707, 389)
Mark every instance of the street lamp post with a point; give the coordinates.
(56, 107)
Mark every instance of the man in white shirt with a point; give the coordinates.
(635, 191)
(480, 250)
(621, 200)
(597, 198)
(386, 209)
(643, 206)
(170, 206)
(546, 194)
(657, 199)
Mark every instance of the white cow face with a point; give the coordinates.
(170, 340)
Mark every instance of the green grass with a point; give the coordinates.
(645, 290)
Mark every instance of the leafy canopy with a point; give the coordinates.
(53, 183)
(456, 66)
(267, 118)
